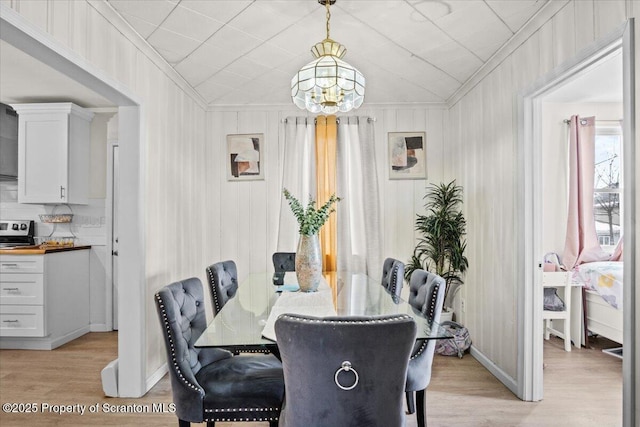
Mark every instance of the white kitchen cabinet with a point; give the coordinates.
(44, 299)
(53, 153)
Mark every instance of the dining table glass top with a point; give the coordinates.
(247, 319)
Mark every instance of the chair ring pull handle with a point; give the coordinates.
(346, 366)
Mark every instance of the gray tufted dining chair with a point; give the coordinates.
(350, 382)
(393, 275)
(426, 294)
(223, 283)
(282, 262)
(210, 384)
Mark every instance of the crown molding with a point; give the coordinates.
(120, 24)
(546, 12)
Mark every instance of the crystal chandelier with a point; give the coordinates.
(328, 84)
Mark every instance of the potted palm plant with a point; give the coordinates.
(440, 248)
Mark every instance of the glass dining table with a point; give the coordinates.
(246, 320)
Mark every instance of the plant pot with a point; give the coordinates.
(308, 263)
(446, 315)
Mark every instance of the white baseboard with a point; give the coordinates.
(40, 343)
(156, 376)
(501, 375)
(100, 327)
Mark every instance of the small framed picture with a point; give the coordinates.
(244, 153)
(407, 155)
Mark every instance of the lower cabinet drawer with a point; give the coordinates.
(22, 289)
(22, 321)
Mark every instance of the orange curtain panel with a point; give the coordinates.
(326, 136)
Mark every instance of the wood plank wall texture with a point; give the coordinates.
(195, 217)
(482, 145)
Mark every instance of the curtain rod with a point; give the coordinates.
(584, 122)
(369, 119)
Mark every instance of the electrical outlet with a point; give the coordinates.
(462, 305)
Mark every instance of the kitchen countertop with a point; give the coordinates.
(40, 250)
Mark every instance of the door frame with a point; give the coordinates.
(529, 158)
(24, 35)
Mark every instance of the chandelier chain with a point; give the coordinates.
(328, 17)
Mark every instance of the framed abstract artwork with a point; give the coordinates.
(244, 153)
(407, 155)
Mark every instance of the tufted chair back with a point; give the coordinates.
(284, 261)
(321, 390)
(392, 275)
(223, 281)
(181, 310)
(426, 294)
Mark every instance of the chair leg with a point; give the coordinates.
(411, 405)
(421, 413)
(183, 423)
(547, 325)
(211, 424)
(567, 334)
(273, 424)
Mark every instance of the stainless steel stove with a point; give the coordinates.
(16, 233)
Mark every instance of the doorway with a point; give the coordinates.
(531, 158)
(31, 40)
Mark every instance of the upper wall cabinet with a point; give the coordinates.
(53, 153)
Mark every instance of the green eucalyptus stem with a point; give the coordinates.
(310, 219)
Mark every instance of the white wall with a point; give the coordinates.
(245, 228)
(481, 152)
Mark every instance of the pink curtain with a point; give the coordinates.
(581, 244)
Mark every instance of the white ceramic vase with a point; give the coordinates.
(308, 263)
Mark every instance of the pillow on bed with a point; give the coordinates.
(552, 301)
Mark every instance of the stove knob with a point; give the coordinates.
(14, 227)
(23, 226)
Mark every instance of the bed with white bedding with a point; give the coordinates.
(602, 282)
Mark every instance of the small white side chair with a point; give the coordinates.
(559, 280)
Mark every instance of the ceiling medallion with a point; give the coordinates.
(328, 84)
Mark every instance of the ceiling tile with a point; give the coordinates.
(166, 40)
(196, 69)
(271, 55)
(214, 53)
(516, 13)
(234, 40)
(247, 68)
(191, 24)
(210, 90)
(262, 21)
(154, 11)
(475, 26)
(142, 27)
(232, 80)
(220, 10)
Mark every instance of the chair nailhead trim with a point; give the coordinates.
(337, 322)
(213, 290)
(217, 410)
(173, 353)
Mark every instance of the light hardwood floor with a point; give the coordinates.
(582, 388)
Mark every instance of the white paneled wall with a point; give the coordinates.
(244, 215)
(481, 149)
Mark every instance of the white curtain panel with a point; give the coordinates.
(298, 175)
(359, 228)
